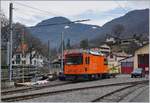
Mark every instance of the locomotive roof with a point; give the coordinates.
(88, 51)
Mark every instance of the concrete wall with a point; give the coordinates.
(142, 50)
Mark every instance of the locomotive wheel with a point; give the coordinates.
(90, 77)
(99, 76)
(96, 76)
(104, 76)
(75, 78)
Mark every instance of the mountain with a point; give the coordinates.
(136, 21)
(75, 32)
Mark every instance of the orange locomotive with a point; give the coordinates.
(85, 64)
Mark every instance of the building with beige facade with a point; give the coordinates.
(141, 57)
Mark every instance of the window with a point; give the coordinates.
(18, 56)
(23, 62)
(76, 59)
(130, 64)
(123, 64)
(17, 61)
(127, 64)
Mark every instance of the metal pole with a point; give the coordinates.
(23, 53)
(48, 55)
(0, 41)
(11, 31)
(23, 74)
(62, 52)
(8, 53)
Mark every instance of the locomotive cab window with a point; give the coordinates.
(74, 59)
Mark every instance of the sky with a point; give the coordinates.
(30, 13)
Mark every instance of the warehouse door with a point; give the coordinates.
(143, 61)
(126, 67)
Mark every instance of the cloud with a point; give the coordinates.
(98, 11)
(97, 22)
(141, 4)
(73, 7)
(100, 18)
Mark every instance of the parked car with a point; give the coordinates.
(138, 72)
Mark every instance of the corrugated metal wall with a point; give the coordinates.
(126, 67)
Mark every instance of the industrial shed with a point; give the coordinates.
(141, 58)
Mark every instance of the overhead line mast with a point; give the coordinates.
(11, 41)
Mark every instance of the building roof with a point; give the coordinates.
(93, 51)
(104, 46)
(22, 48)
(121, 54)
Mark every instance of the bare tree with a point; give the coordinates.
(84, 44)
(4, 20)
(4, 26)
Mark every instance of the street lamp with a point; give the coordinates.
(62, 48)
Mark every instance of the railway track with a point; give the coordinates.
(32, 88)
(111, 97)
(35, 95)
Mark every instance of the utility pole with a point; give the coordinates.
(11, 42)
(62, 51)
